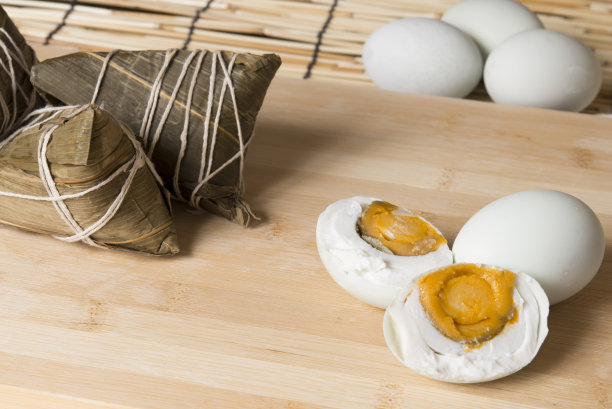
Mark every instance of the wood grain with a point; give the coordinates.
(249, 318)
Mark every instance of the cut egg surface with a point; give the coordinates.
(467, 323)
(373, 249)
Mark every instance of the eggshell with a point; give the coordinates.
(423, 56)
(363, 271)
(545, 69)
(416, 343)
(550, 235)
(490, 22)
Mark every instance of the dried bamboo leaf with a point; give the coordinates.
(17, 95)
(128, 82)
(88, 154)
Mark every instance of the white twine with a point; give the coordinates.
(82, 193)
(137, 164)
(228, 80)
(213, 140)
(203, 179)
(209, 104)
(126, 130)
(185, 132)
(140, 159)
(147, 120)
(50, 115)
(205, 171)
(8, 115)
(12, 57)
(169, 105)
(101, 76)
(49, 182)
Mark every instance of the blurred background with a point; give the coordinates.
(294, 29)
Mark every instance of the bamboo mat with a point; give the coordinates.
(291, 28)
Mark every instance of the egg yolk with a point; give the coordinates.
(468, 303)
(399, 232)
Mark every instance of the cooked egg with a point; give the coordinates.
(544, 69)
(467, 323)
(550, 235)
(374, 249)
(488, 22)
(423, 56)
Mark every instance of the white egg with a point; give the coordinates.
(373, 276)
(545, 69)
(423, 56)
(550, 235)
(418, 344)
(490, 22)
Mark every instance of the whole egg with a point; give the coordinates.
(552, 236)
(489, 22)
(543, 69)
(423, 56)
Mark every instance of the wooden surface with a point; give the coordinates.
(250, 319)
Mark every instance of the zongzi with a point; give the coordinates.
(17, 95)
(80, 175)
(194, 112)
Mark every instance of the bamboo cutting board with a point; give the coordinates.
(250, 319)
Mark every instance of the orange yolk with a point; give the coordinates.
(401, 233)
(468, 303)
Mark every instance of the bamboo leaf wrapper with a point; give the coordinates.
(17, 95)
(196, 109)
(97, 170)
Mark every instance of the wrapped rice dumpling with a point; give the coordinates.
(194, 112)
(78, 174)
(17, 95)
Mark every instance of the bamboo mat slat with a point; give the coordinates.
(286, 27)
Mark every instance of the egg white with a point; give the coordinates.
(365, 272)
(554, 237)
(422, 56)
(416, 343)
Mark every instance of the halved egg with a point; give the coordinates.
(373, 249)
(467, 323)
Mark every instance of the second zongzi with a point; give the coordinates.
(194, 112)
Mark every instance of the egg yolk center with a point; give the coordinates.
(468, 303)
(402, 234)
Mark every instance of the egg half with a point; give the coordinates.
(467, 323)
(374, 249)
